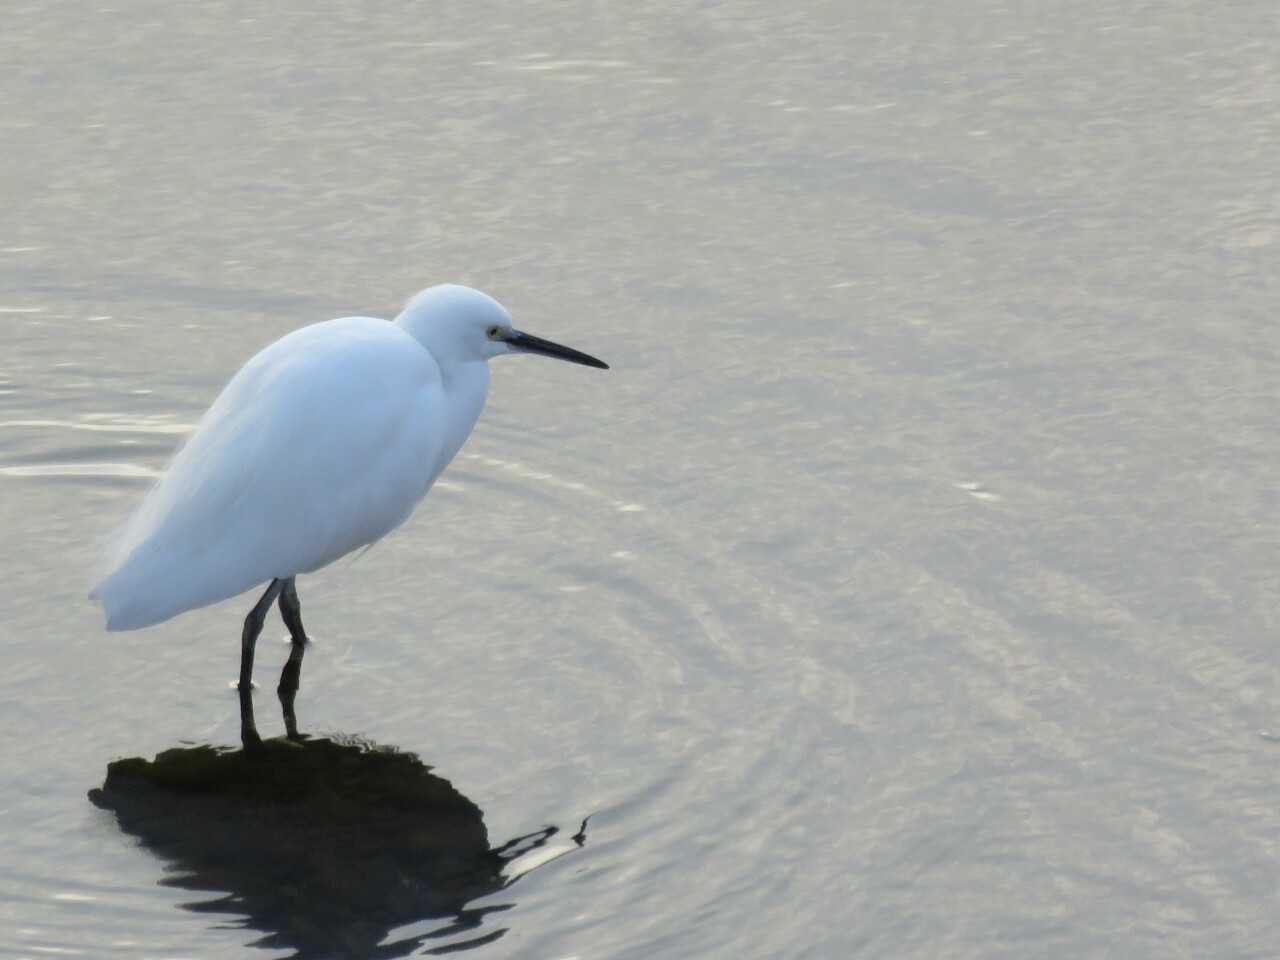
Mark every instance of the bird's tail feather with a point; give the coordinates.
(131, 600)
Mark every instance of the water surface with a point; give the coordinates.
(905, 589)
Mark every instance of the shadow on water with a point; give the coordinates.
(326, 846)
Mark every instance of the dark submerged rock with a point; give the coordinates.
(324, 845)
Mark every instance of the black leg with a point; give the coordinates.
(248, 729)
(248, 640)
(291, 675)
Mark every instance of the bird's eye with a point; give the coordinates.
(493, 333)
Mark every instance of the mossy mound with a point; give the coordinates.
(324, 845)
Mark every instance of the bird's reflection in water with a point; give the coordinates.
(326, 846)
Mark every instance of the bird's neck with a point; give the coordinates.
(465, 386)
(465, 381)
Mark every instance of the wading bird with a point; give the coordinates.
(322, 443)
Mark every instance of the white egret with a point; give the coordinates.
(322, 443)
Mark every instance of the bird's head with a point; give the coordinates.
(459, 324)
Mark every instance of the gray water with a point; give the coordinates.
(906, 589)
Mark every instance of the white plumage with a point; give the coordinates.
(322, 443)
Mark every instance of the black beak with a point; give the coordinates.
(531, 344)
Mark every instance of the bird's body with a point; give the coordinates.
(322, 443)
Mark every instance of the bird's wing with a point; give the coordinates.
(322, 443)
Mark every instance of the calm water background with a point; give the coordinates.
(907, 589)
